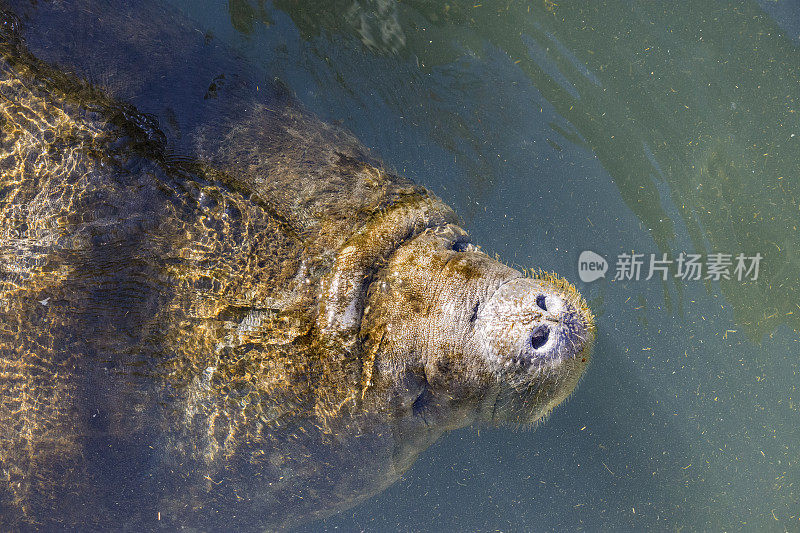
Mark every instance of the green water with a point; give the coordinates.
(615, 127)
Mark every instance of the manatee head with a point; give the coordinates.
(455, 337)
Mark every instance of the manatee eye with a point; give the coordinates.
(460, 246)
(421, 403)
(539, 336)
(541, 302)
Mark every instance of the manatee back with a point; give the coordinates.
(215, 108)
(161, 265)
(120, 273)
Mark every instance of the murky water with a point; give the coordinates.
(617, 128)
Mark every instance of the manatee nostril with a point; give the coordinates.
(541, 301)
(461, 246)
(539, 336)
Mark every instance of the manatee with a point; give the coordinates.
(219, 312)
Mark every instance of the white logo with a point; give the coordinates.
(591, 266)
(687, 267)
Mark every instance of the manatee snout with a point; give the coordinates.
(536, 334)
(532, 323)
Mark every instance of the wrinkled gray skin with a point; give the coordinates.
(217, 311)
